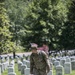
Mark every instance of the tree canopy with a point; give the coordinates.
(26, 21)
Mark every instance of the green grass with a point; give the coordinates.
(72, 73)
(5, 72)
(19, 73)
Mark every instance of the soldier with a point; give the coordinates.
(39, 62)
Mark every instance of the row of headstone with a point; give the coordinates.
(3, 59)
(23, 68)
(67, 68)
(4, 66)
(60, 70)
(26, 62)
(11, 70)
(64, 65)
(19, 65)
(61, 64)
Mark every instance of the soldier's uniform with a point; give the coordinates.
(39, 63)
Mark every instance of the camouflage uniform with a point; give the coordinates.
(39, 63)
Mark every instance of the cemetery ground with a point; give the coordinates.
(18, 65)
(19, 72)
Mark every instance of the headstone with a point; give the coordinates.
(10, 66)
(1, 66)
(7, 62)
(72, 58)
(53, 59)
(56, 63)
(27, 71)
(10, 69)
(17, 58)
(24, 61)
(68, 59)
(73, 64)
(28, 64)
(11, 57)
(59, 70)
(11, 73)
(19, 66)
(67, 68)
(23, 55)
(6, 66)
(23, 68)
(2, 60)
(50, 73)
(58, 59)
(28, 57)
(12, 63)
(62, 61)
(21, 59)
(7, 58)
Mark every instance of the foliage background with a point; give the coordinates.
(26, 21)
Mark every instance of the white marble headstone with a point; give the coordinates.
(50, 73)
(19, 66)
(73, 64)
(10, 69)
(56, 63)
(62, 61)
(27, 71)
(59, 70)
(67, 68)
(23, 67)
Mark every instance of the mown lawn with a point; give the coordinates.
(19, 73)
(73, 73)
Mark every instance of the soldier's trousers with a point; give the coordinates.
(40, 72)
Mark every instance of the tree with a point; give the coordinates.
(6, 45)
(17, 11)
(35, 20)
(46, 20)
(68, 34)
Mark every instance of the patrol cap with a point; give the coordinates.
(34, 46)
